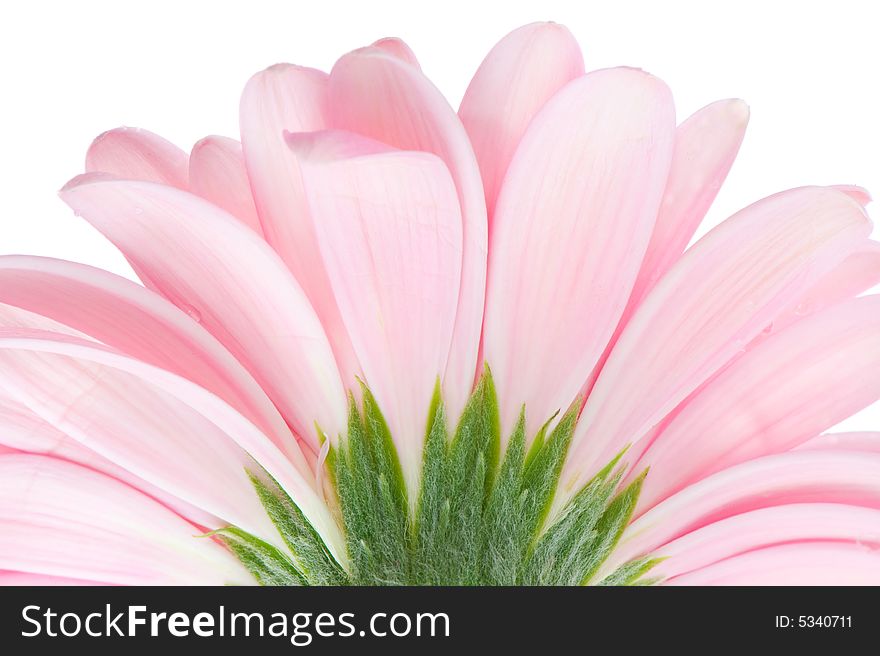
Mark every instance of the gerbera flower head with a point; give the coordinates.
(379, 341)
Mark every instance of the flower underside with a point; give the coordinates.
(479, 519)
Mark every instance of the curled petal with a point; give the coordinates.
(382, 97)
(389, 228)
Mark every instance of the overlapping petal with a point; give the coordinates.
(814, 476)
(381, 96)
(791, 387)
(389, 229)
(22, 431)
(516, 79)
(572, 223)
(124, 315)
(230, 281)
(217, 173)
(722, 294)
(137, 154)
(60, 520)
(767, 527)
(805, 563)
(157, 425)
(286, 98)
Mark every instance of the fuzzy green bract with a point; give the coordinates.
(481, 517)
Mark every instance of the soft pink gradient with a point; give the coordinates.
(363, 230)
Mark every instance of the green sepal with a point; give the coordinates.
(456, 478)
(478, 519)
(268, 564)
(372, 496)
(308, 551)
(612, 524)
(631, 573)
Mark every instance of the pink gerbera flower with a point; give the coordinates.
(379, 341)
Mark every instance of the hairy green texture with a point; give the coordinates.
(479, 519)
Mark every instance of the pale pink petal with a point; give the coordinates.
(27, 579)
(138, 322)
(286, 98)
(720, 295)
(766, 527)
(857, 273)
(217, 173)
(157, 425)
(233, 283)
(389, 228)
(807, 563)
(63, 520)
(706, 145)
(573, 219)
(24, 432)
(859, 194)
(398, 48)
(135, 154)
(518, 76)
(844, 477)
(791, 387)
(16, 317)
(377, 95)
(864, 441)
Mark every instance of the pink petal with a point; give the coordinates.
(141, 324)
(280, 99)
(398, 48)
(135, 154)
(808, 563)
(766, 527)
(378, 95)
(158, 426)
(857, 273)
(859, 194)
(706, 145)
(389, 228)
(24, 432)
(843, 442)
(518, 76)
(843, 477)
(721, 294)
(217, 173)
(62, 520)
(789, 388)
(233, 283)
(595, 159)
(30, 580)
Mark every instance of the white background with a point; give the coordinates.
(70, 70)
